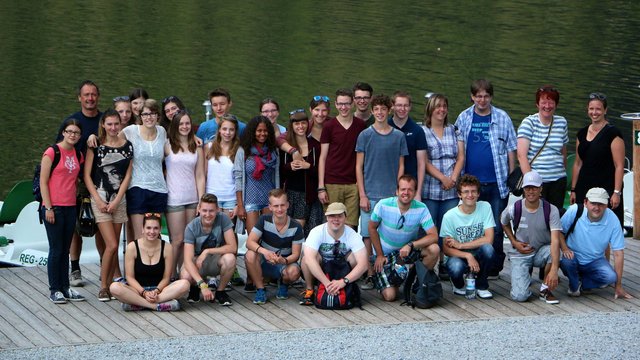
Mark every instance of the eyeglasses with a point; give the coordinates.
(120, 98)
(598, 96)
(71, 132)
(169, 99)
(152, 215)
(400, 223)
(360, 98)
(296, 111)
(343, 104)
(146, 115)
(336, 248)
(321, 98)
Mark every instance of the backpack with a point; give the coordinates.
(575, 221)
(422, 288)
(517, 213)
(37, 193)
(347, 298)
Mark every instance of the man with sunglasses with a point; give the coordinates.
(395, 233)
(467, 233)
(220, 105)
(209, 250)
(327, 242)
(490, 146)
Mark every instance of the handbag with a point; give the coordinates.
(514, 180)
(86, 224)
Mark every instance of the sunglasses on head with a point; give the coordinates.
(598, 96)
(153, 215)
(296, 111)
(548, 89)
(169, 99)
(120, 98)
(321, 98)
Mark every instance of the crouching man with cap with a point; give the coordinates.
(583, 260)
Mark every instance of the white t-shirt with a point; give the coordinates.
(320, 240)
(147, 159)
(220, 181)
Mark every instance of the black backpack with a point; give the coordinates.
(347, 298)
(422, 288)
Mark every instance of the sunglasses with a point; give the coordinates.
(547, 89)
(120, 98)
(296, 111)
(152, 215)
(336, 248)
(321, 98)
(598, 96)
(400, 223)
(169, 99)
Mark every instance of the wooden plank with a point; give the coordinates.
(14, 339)
(21, 319)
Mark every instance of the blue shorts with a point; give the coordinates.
(272, 271)
(141, 201)
(254, 207)
(227, 205)
(364, 219)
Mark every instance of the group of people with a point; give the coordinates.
(299, 192)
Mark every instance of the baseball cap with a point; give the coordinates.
(532, 178)
(598, 195)
(336, 208)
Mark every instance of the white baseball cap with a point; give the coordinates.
(598, 195)
(532, 178)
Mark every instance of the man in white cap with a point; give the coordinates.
(533, 227)
(583, 260)
(326, 242)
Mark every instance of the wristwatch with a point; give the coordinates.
(617, 192)
(346, 280)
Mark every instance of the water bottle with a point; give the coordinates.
(470, 285)
(401, 270)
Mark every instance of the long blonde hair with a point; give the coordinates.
(215, 150)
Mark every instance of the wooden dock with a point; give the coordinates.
(28, 319)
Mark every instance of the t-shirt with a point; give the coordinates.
(110, 165)
(532, 228)
(550, 163)
(194, 234)
(589, 240)
(397, 229)
(89, 127)
(273, 240)
(479, 158)
(62, 182)
(181, 178)
(381, 160)
(220, 181)
(208, 129)
(415, 142)
(147, 160)
(467, 227)
(340, 166)
(320, 240)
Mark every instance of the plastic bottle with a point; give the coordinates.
(470, 285)
(401, 270)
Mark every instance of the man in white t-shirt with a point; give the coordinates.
(326, 242)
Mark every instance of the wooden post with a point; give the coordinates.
(635, 117)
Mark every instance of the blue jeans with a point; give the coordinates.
(457, 267)
(59, 235)
(595, 274)
(437, 208)
(490, 193)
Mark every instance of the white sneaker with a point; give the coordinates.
(75, 278)
(460, 291)
(484, 294)
(575, 293)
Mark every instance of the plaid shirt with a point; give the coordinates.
(502, 137)
(442, 154)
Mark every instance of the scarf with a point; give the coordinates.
(262, 158)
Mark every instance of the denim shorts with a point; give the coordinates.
(227, 205)
(254, 207)
(364, 219)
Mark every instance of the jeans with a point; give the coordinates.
(595, 274)
(457, 267)
(59, 235)
(490, 193)
(520, 267)
(437, 208)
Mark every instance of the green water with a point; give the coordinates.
(292, 50)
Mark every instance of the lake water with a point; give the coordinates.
(294, 50)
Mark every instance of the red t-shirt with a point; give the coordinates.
(340, 167)
(62, 182)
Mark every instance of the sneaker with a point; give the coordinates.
(443, 272)
(484, 294)
(307, 297)
(213, 284)
(57, 298)
(261, 297)
(119, 279)
(575, 293)
(223, 298)
(283, 291)
(228, 287)
(194, 294)
(548, 297)
(368, 283)
(75, 279)
(298, 284)
(250, 288)
(103, 295)
(458, 291)
(129, 307)
(171, 305)
(236, 279)
(72, 295)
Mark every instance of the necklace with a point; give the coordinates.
(593, 129)
(280, 227)
(150, 254)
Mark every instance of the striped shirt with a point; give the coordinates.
(550, 163)
(442, 153)
(273, 240)
(397, 229)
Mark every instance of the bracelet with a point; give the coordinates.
(142, 293)
(258, 249)
(322, 189)
(573, 190)
(293, 151)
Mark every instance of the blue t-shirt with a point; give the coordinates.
(89, 126)
(208, 129)
(479, 158)
(415, 141)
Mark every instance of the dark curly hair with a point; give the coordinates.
(249, 135)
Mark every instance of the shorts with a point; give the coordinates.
(119, 216)
(141, 201)
(254, 207)
(271, 271)
(365, 216)
(227, 205)
(210, 265)
(178, 208)
(348, 195)
(381, 279)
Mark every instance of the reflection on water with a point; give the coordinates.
(294, 50)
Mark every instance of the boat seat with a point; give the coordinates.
(19, 196)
